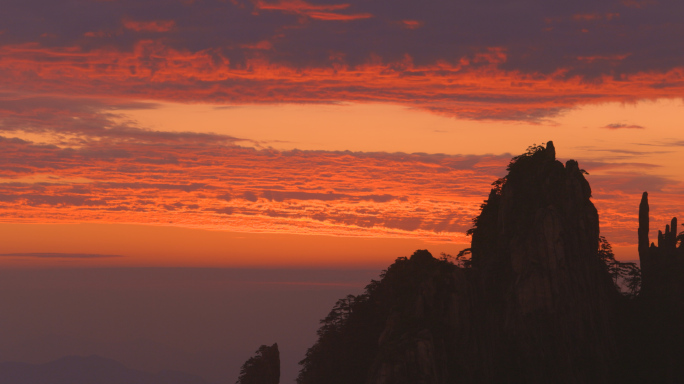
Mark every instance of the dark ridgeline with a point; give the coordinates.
(262, 368)
(538, 302)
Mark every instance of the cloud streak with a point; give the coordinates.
(58, 255)
(88, 119)
(622, 126)
(149, 26)
(320, 12)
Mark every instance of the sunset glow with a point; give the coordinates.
(262, 121)
(182, 181)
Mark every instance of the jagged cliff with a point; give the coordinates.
(546, 300)
(538, 301)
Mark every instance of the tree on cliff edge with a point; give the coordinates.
(262, 368)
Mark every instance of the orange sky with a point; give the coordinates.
(203, 193)
(126, 245)
(308, 126)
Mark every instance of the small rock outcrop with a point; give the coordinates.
(262, 368)
(659, 313)
(663, 264)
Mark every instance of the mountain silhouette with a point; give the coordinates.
(262, 368)
(538, 301)
(87, 370)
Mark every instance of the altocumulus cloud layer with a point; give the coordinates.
(496, 59)
(195, 181)
(231, 187)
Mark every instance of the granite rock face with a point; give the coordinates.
(548, 301)
(417, 343)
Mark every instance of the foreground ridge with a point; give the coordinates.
(538, 301)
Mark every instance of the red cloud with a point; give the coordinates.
(623, 126)
(320, 12)
(595, 16)
(298, 6)
(591, 59)
(338, 16)
(411, 24)
(149, 26)
(639, 3)
(264, 44)
(587, 17)
(474, 88)
(98, 34)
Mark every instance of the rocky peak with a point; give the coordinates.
(536, 287)
(536, 304)
(535, 247)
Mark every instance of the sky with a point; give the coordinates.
(319, 135)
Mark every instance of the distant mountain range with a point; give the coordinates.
(140, 354)
(87, 370)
